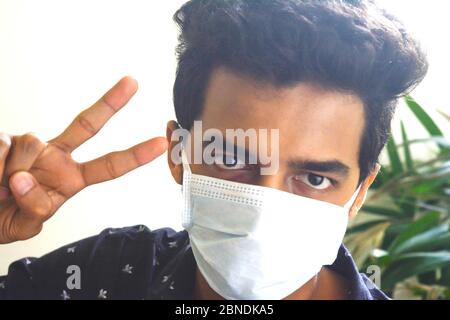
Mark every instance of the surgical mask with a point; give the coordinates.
(254, 242)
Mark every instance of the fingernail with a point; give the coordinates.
(22, 183)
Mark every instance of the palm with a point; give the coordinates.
(58, 174)
(60, 178)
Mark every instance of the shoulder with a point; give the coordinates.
(359, 286)
(118, 263)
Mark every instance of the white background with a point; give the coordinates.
(57, 57)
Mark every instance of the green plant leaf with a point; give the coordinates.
(422, 224)
(439, 141)
(428, 187)
(362, 243)
(445, 277)
(406, 149)
(392, 233)
(394, 158)
(423, 117)
(405, 189)
(364, 226)
(391, 185)
(432, 239)
(382, 211)
(413, 264)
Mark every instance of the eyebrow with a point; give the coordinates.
(331, 166)
(234, 146)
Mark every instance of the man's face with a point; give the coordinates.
(319, 135)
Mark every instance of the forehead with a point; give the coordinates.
(320, 123)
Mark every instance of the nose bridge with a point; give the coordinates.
(275, 181)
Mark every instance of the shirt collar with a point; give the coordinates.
(361, 287)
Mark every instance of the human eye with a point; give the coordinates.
(314, 181)
(229, 161)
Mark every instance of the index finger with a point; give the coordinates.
(89, 122)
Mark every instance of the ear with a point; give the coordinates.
(361, 197)
(175, 169)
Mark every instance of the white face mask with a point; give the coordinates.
(253, 242)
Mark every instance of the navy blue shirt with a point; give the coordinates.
(133, 263)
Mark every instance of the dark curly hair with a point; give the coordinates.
(346, 45)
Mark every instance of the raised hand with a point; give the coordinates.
(37, 177)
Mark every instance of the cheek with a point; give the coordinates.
(199, 169)
(349, 189)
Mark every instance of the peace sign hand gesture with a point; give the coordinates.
(36, 178)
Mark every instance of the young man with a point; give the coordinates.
(325, 74)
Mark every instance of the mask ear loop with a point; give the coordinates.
(350, 202)
(186, 190)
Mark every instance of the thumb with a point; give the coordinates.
(34, 202)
